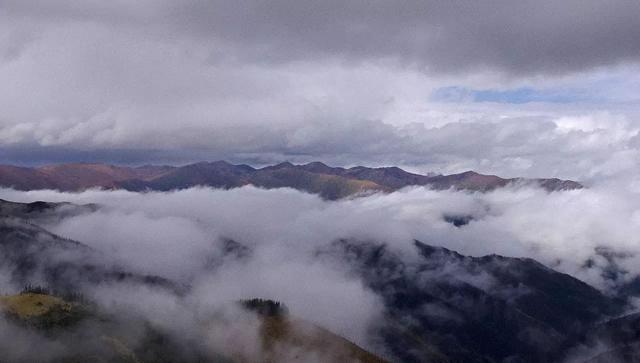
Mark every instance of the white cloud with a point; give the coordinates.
(283, 226)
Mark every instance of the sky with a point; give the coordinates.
(528, 88)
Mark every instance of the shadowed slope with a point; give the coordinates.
(446, 307)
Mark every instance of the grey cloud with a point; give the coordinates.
(586, 148)
(518, 38)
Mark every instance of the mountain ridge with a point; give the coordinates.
(315, 177)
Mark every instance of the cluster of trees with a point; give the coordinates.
(66, 295)
(265, 307)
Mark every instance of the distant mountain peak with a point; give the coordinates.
(282, 165)
(317, 164)
(220, 162)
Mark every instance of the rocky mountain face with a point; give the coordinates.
(316, 177)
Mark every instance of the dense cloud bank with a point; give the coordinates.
(561, 229)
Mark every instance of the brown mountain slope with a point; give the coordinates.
(316, 177)
(294, 340)
(24, 178)
(83, 176)
(76, 176)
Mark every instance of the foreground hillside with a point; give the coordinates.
(318, 178)
(282, 338)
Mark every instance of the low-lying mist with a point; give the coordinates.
(184, 236)
(174, 234)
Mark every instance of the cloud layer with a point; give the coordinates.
(184, 229)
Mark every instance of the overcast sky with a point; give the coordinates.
(530, 88)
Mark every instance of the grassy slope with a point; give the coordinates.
(41, 311)
(282, 337)
(28, 306)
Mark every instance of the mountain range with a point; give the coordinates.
(329, 182)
